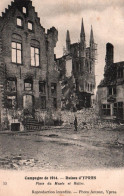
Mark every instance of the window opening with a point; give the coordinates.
(24, 9)
(11, 85)
(19, 22)
(106, 109)
(35, 56)
(11, 102)
(42, 87)
(30, 26)
(28, 85)
(16, 52)
(112, 90)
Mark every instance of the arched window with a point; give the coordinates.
(16, 49)
(35, 53)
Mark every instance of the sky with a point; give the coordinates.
(105, 16)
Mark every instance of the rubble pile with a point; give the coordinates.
(87, 119)
(84, 116)
(67, 117)
(16, 162)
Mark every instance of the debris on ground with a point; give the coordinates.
(87, 119)
(16, 162)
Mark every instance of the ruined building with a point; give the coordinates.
(77, 70)
(111, 88)
(28, 80)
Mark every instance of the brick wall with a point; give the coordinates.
(47, 42)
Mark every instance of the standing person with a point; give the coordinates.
(75, 123)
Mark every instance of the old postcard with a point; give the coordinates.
(61, 97)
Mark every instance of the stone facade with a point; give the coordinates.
(110, 94)
(29, 80)
(78, 65)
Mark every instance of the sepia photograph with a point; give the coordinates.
(62, 94)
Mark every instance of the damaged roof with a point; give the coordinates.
(110, 75)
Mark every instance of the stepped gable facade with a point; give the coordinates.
(78, 65)
(28, 79)
(111, 89)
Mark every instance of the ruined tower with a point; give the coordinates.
(92, 45)
(109, 54)
(68, 42)
(82, 41)
(81, 60)
(92, 51)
